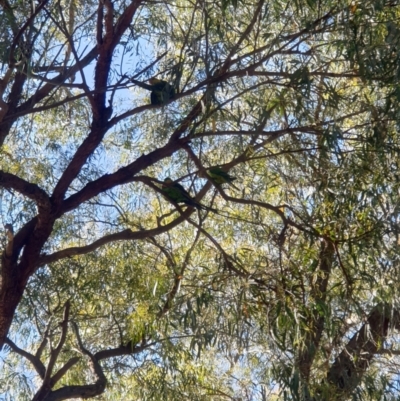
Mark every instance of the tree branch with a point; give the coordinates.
(27, 24)
(120, 236)
(121, 176)
(31, 191)
(35, 361)
(52, 84)
(44, 341)
(349, 367)
(98, 130)
(47, 383)
(316, 320)
(63, 370)
(128, 349)
(97, 370)
(243, 36)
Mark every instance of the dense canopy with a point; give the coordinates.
(118, 285)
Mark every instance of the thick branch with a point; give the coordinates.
(44, 341)
(350, 366)
(13, 100)
(121, 176)
(75, 392)
(316, 321)
(128, 349)
(10, 240)
(84, 391)
(124, 21)
(105, 48)
(36, 362)
(31, 191)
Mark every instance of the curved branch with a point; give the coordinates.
(275, 209)
(349, 367)
(31, 191)
(227, 258)
(128, 349)
(35, 361)
(48, 383)
(124, 235)
(122, 176)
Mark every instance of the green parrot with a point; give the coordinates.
(161, 91)
(176, 193)
(220, 176)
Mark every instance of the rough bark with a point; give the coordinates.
(22, 258)
(317, 320)
(351, 364)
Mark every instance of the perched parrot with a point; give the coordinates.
(220, 176)
(176, 193)
(161, 91)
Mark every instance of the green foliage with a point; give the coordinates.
(290, 291)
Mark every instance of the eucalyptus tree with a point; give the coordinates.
(285, 287)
